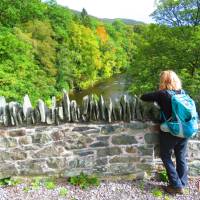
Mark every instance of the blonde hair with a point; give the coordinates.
(169, 81)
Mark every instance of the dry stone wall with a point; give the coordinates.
(100, 137)
(117, 149)
(92, 109)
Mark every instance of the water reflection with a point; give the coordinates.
(113, 87)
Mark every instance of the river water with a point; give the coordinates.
(113, 88)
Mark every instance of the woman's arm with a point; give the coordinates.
(152, 96)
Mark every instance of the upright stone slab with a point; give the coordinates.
(66, 106)
(91, 108)
(27, 110)
(102, 108)
(4, 112)
(133, 102)
(60, 113)
(57, 120)
(53, 109)
(78, 113)
(51, 112)
(123, 105)
(85, 110)
(7, 117)
(37, 115)
(118, 111)
(2, 106)
(48, 115)
(126, 113)
(109, 107)
(73, 109)
(138, 109)
(96, 108)
(114, 113)
(15, 113)
(10, 107)
(42, 110)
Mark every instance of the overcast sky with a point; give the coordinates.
(130, 9)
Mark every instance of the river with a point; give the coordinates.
(113, 88)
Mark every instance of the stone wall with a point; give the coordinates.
(92, 108)
(115, 149)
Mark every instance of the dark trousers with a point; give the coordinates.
(169, 143)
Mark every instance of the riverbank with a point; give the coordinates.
(107, 190)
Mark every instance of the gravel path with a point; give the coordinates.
(119, 190)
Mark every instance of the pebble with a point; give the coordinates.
(107, 190)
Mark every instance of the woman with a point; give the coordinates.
(169, 143)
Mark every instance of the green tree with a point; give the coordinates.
(19, 74)
(85, 18)
(160, 48)
(40, 35)
(61, 19)
(45, 47)
(18, 11)
(83, 56)
(178, 12)
(184, 18)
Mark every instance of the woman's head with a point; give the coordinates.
(169, 81)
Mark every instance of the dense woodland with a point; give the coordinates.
(45, 47)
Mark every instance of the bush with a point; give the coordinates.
(84, 181)
(9, 181)
(157, 193)
(163, 176)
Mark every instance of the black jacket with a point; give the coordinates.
(163, 99)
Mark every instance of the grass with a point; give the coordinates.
(167, 198)
(84, 181)
(63, 191)
(9, 181)
(157, 192)
(36, 183)
(49, 184)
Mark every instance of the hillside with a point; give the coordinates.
(126, 21)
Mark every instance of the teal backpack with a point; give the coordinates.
(184, 120)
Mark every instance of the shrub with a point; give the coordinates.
(49, 184)
(163, 176)
(36, 183)
(9, 181)
(63, 192)
(157, 192)
(84, 181)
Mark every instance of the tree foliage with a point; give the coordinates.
(174, 44)
(18, 11)
(46, 47)
(19, 74)
(178, 12)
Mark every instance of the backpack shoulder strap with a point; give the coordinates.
(173, 116)
(171, 92)
(183, 91)
(163, 115)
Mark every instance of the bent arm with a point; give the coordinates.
(152, 96)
